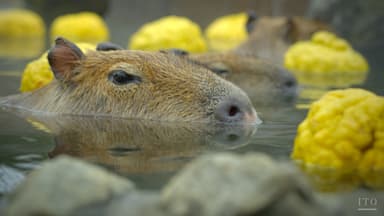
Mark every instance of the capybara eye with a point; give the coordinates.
(179, 52)
(220, 71)
(219, 68)
(120, 77)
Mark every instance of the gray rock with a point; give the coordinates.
(137, 204)
(227, 184)
(9, 178)
(62, 185)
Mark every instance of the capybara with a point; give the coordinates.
(264, 82)
(270, 37)
(256, 64)
(134, 84)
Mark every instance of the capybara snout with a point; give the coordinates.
(235, 109)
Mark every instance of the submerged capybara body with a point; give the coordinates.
(270, 37)
(134, 84)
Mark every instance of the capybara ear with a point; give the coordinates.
(63, 58)
(252, 17)
(108, 46)
(176, 51)
(290, 30)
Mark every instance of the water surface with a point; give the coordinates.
(24, 143)
(150, 153)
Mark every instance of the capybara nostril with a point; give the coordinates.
(235, 110)
(228, 111)
(288, 80)
(290, 87)
(290, 83)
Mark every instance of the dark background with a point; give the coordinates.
(360, 21)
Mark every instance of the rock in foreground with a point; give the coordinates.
(63, 185)
(217, 184)
(226, 184)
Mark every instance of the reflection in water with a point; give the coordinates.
(339, 80)
(315, 85)
(137, 146)
(336, 180)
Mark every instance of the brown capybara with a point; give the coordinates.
(264, 82)
(256, 65)
(134, 84)
(270, 37)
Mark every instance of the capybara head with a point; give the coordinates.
(263, 82)
(136, 84)
(270, 37)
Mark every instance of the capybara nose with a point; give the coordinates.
(236, 110)
(289, 85)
